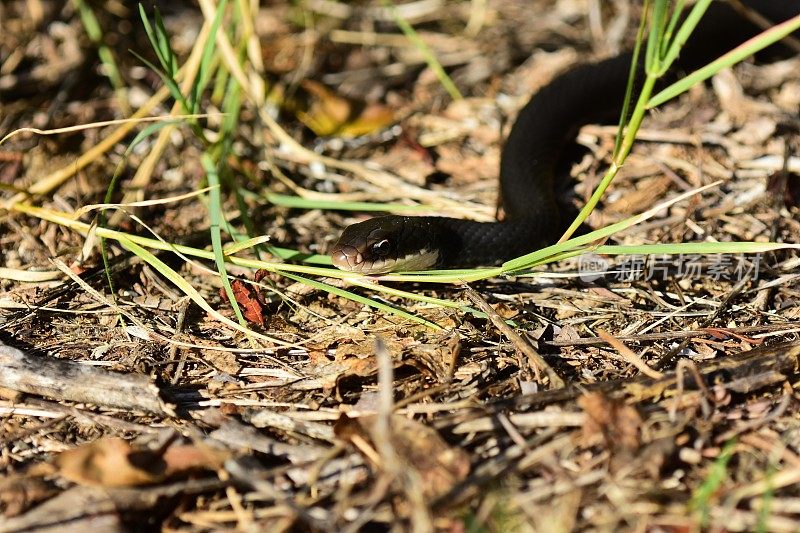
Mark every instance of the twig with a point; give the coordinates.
(516, 339)
(629, 355)
(65, 380)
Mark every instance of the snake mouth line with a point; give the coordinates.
(350, 259)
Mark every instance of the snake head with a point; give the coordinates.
(384, 244)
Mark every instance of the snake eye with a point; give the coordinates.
(381, 248)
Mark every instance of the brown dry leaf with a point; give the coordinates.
(324, 373)
(567, 333)
(330, 114)
(504, 311)
(639, 392)
(785, 187)
(247, 299)
(113, 462)
(617, 422)
(478, 118)
(374, 117)
(281, 54)
(327, 112)
(222, 361)
(11, 395)
(791, 313)
(609, 296)
(641, 198)
(186, 457)
(110, 462)
(18, 493)
(724, 333)
(439, 465)
(346, 428)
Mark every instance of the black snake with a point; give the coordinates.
(547, 123)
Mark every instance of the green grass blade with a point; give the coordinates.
(215, 212)
(766, 500)
(622, 153)
(170, 62)
(654, 39)
(231, 106)
(362, 300)
(628, 98)
(695, 248)
(186, 287)
(112, 187)
(444, 276)
(290, 254)
(236, 247)
(683, 34)
(742, 51)
(430, 58)
(716, 475)
(417, 297)
(151, 35)
(141, 136)
(206, 70)
(172, 85)
(95, 33)
(534, 258)
(673, 23)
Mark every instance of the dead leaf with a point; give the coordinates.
(327, 112)
(642, 197)
(791, 313)
(610, 296)
(439, 465)
(187, 457)
(468, 168)
(412, 162)
(331, 114)
(325, 374)
(504, 311)
(248, 301)
(616, 422)
(282, 53)
(373, 118)
(113, 462)
(110, 462)
(19, 493)
(725, 333)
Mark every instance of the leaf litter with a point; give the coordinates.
(252, 436)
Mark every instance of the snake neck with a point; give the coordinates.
(466, 243)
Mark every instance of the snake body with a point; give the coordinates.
(544, 127)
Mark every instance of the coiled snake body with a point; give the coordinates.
(527, 170)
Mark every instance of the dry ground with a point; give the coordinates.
(140, 409)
